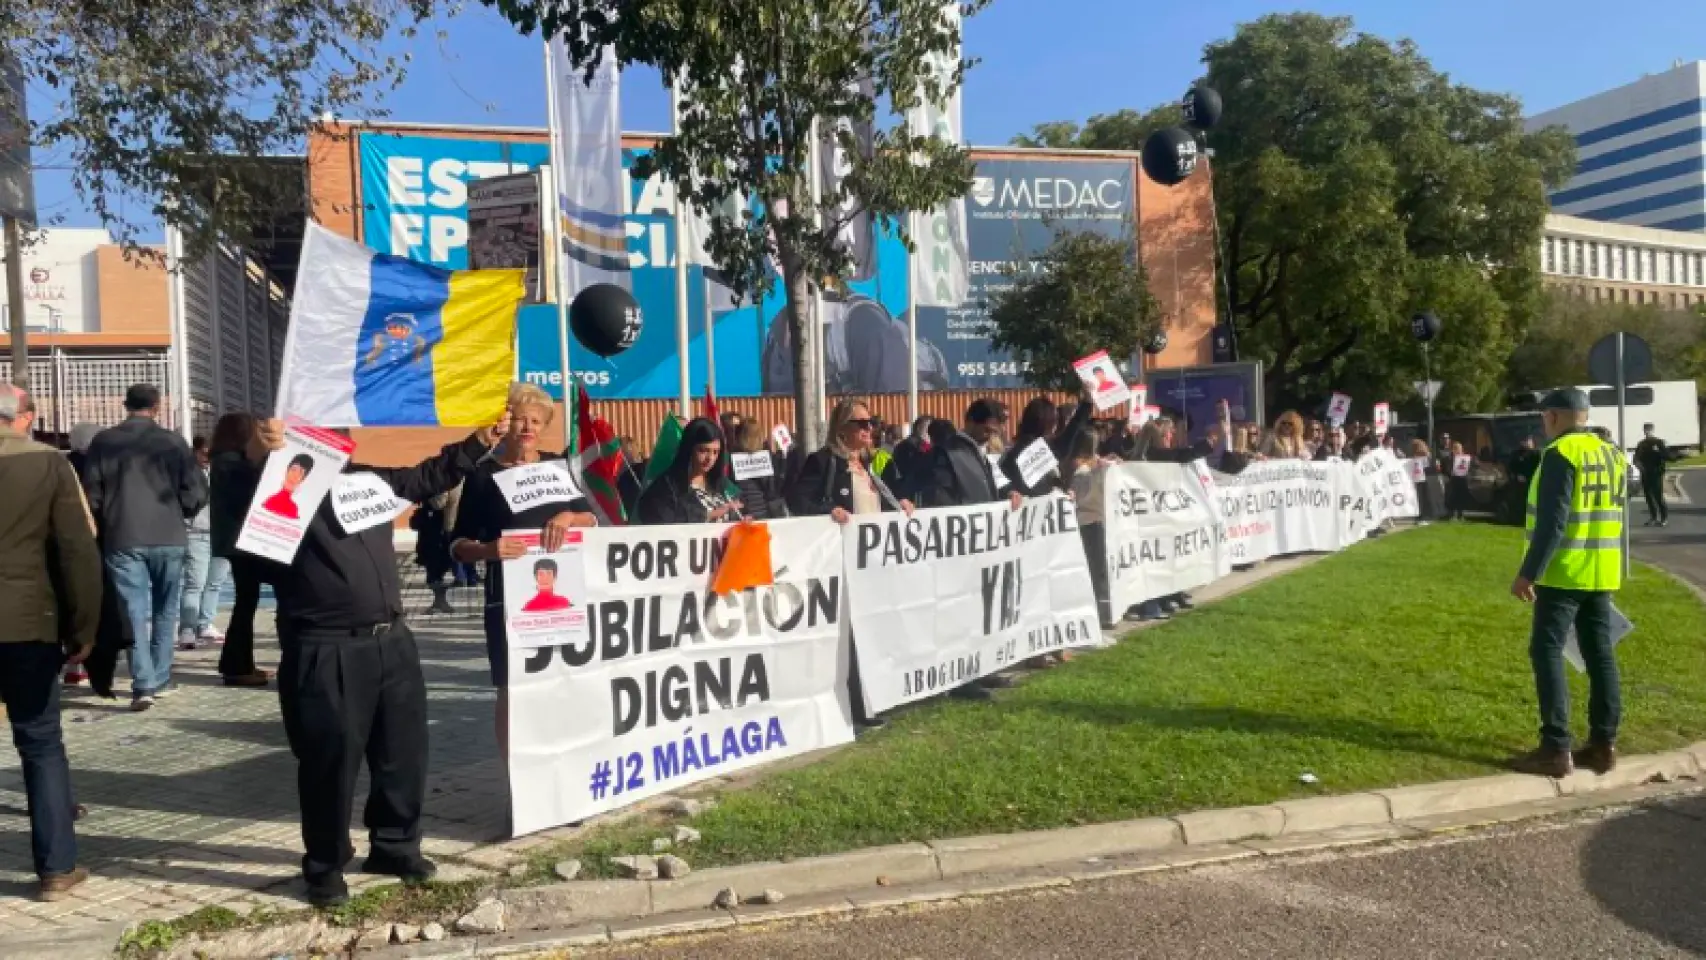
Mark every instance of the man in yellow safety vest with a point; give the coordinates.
(1573, 565)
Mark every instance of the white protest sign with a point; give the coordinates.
(1382, 419)
(1418, 469)
(1280, 507)
(1339, 408)
(362, 500)
(1139, 404)
(529, 485)
(1163, 534)
(1379, 489)
(1103, 379)
(672, 684)
(294, 481)
(946, 596)
(1460, 465)
(1621, 626)
(1036, 462)
(752, 466)
(545, 598)
(784, 439)
(995, 468)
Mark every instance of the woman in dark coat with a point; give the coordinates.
(235, 457)
(695, 488)
(1041, 421)
(760, 496)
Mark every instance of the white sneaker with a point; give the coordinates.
(186, 639)
(212, 635)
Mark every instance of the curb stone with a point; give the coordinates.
(585, 913)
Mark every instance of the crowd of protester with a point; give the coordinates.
(142, 569)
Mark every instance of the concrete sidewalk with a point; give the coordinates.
(193, 803)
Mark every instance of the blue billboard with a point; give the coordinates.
(414, 204)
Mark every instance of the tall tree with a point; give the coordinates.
(758, 78)
(1085, 293)
(156, 105)
(1554, 350)
(1355, 185)
(1120, 130)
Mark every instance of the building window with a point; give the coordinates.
(1581, 259)
(1593, 259)
(1699, 277)
(1622, 263)
(1551, 255)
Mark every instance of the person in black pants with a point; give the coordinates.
(350, 685)
(1650, 456)
(235, 456)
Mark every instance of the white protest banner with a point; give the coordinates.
(1460, 465)
(294, 481)
(752, 466)
(554, 609)
(1339, 408)
(1103, 379)
(1377, 488)
(1418, 469)
(672, 684)
(946, 596)
(1382, 419)
(1162, 530)
(362, 500)
(784, 439)
(1139, 403)
(995, 468)
(1279, 507)
(1036, 462)
(530, 485)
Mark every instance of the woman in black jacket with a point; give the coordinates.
(1041, 421)
(236, 455)
(695, 488)
(837, 481)
(761, 493)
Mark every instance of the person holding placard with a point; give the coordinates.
(1333, 448)
(1040, 423)
(696, 487)
(349, 682)
(838, 481)
(1457, 497)
(758, 474)
(234, 471)
(489, 511)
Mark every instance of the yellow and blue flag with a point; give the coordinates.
(377, 340)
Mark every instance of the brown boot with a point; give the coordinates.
(1601, 758)
(1544, 762)
(57, 886)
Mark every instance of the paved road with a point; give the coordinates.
(1680, 547)
(1627, 885)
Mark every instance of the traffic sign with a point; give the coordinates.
(1429, 389)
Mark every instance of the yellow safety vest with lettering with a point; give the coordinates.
(1590, 555)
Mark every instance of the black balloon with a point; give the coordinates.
(1202, 107)
(605, 319)
(1155, 343)
(1424, 326)
(1170, 155)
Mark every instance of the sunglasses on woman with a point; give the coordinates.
(864, 424)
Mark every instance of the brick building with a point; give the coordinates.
(1617, 263)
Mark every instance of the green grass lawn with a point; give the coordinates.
(1697, 460)
(1403, 660)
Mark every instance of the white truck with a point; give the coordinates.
(1671, 406)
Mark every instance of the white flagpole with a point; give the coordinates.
(912, 325)
(553, 232)
(710, 337)
(682, 341)
(819, 362)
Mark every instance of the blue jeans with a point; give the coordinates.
(29, 686)
(204, 576)
(149, 581)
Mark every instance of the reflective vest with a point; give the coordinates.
(1590, 555)
(880, 460)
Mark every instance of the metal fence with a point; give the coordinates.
(69, 390)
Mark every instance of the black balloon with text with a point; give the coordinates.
(1156, 343)
(1425, 326)
(1201, 107)
(605, 318)
(1170, 155)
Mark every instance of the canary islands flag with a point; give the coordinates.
(377, 340)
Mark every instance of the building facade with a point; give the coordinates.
(1613, 263)
(1641, 152)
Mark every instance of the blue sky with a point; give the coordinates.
(1069, 59)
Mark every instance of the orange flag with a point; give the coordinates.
(746, 559)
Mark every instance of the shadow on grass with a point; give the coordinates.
(1372, 736)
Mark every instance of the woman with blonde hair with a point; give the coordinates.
(484, 516)
(1286, 442)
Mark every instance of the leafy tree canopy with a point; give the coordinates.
(1356, 185)
(1554, 351)
(152, 104)
(1085, 293)
(757, 79)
